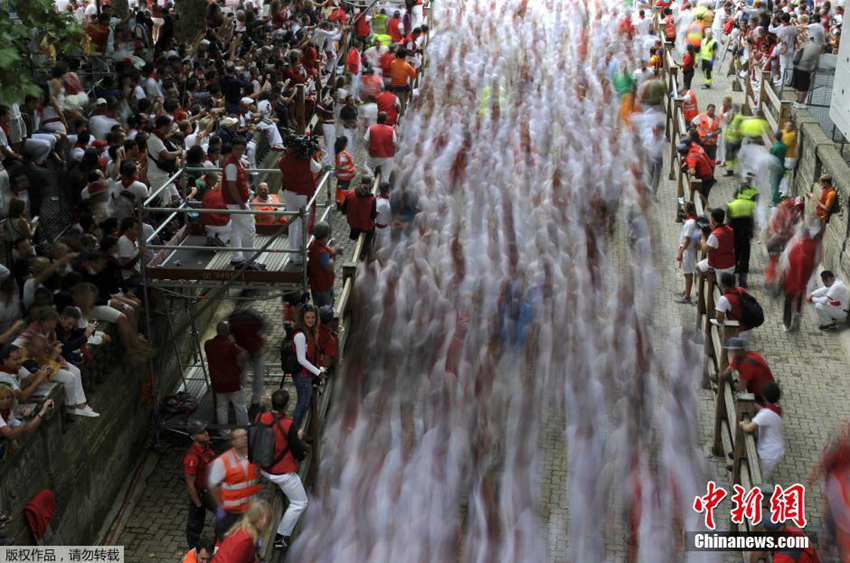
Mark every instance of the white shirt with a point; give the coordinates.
(301, 354)
(642, 25)
(369, 113)
(836, 292)
(689, 229)
(771, 443)
(101, 125)
(155, 146)
(712, 241)
(384, 213)
(138, 189)
(127, 249)
(723, 305)
(217, 472)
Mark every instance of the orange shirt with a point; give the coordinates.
(400, 70)
(827, 198)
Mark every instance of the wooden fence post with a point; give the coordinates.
(719, 416)
(676, 107)
(745, 409)
(765, 81)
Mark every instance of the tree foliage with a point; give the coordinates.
(24, 24)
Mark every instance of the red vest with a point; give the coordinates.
(381, 141)
(288, 463)
(222, 358)
(241, 181)
(214, 199)
(362, 28)
(319, 277)
(358, 211)
(313, 354)
(723, 257)
(736, 311)
(387, 104)
(296, 176)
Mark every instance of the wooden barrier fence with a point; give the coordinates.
(729, 441)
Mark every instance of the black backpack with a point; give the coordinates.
(836, 207)
(261, 438)
(752, 315)
(288, 358)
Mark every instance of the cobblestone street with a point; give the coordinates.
(810, 366)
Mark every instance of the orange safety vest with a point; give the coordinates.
(191, 557)
(239, 487)
(707, 129)
(344, 165)
(258, 205)
(689, 106)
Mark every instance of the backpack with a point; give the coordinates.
(752, 315)
(836, 207)
(261, 438)
(288, 358)
(181, 403)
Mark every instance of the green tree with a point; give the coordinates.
(23, 26)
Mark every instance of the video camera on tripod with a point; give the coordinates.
(302, 146)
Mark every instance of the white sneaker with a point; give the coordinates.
(87, 412)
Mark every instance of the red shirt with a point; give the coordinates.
(354, 61)
(753, 369)
(246, 334)
(339, 15)
(238, 547)
(223, 360)
(288, 463)
(687, 62)
(698, 159)
(195, 463)
(394, 30)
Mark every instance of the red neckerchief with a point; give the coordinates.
(383, 197)
(159, 134)
(128, 183)
(775, 408)
(131, 237)
(6, 129)
(4, 369)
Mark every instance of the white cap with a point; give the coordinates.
(205, 42)
(247, 100)
(101, 101)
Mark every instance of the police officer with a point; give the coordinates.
(195, 462)
(741, 210)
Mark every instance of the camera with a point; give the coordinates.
(302, 146)
(703, 225)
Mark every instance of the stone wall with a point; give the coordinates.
(817, 155)
(86, 462)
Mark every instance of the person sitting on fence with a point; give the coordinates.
(708, 129)
(687, 256)
(216, 225)
(771, 430)
(38, 353)
(11, 428)
(700, 166)
(731, 305)
(747, 370)
(831, 301)
(720, 246)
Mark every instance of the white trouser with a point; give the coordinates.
(356, 81)
(223, 231)
(237, 399)
(241, 233)
(290, 485)
(294, 202)
(703, 267)
(786, 64)
(39, 147)
(382, 237)
(5, 192)
(258, 368)
(387, 166)
(828, 314)
(329, 133)
(417, 16)
(72, 381)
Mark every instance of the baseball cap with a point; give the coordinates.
(196, 427)
(101, 101)
(735, 343)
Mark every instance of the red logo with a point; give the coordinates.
(747, 505)
(788, 504)
(709, 502)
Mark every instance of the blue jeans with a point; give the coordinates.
(304, 388)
